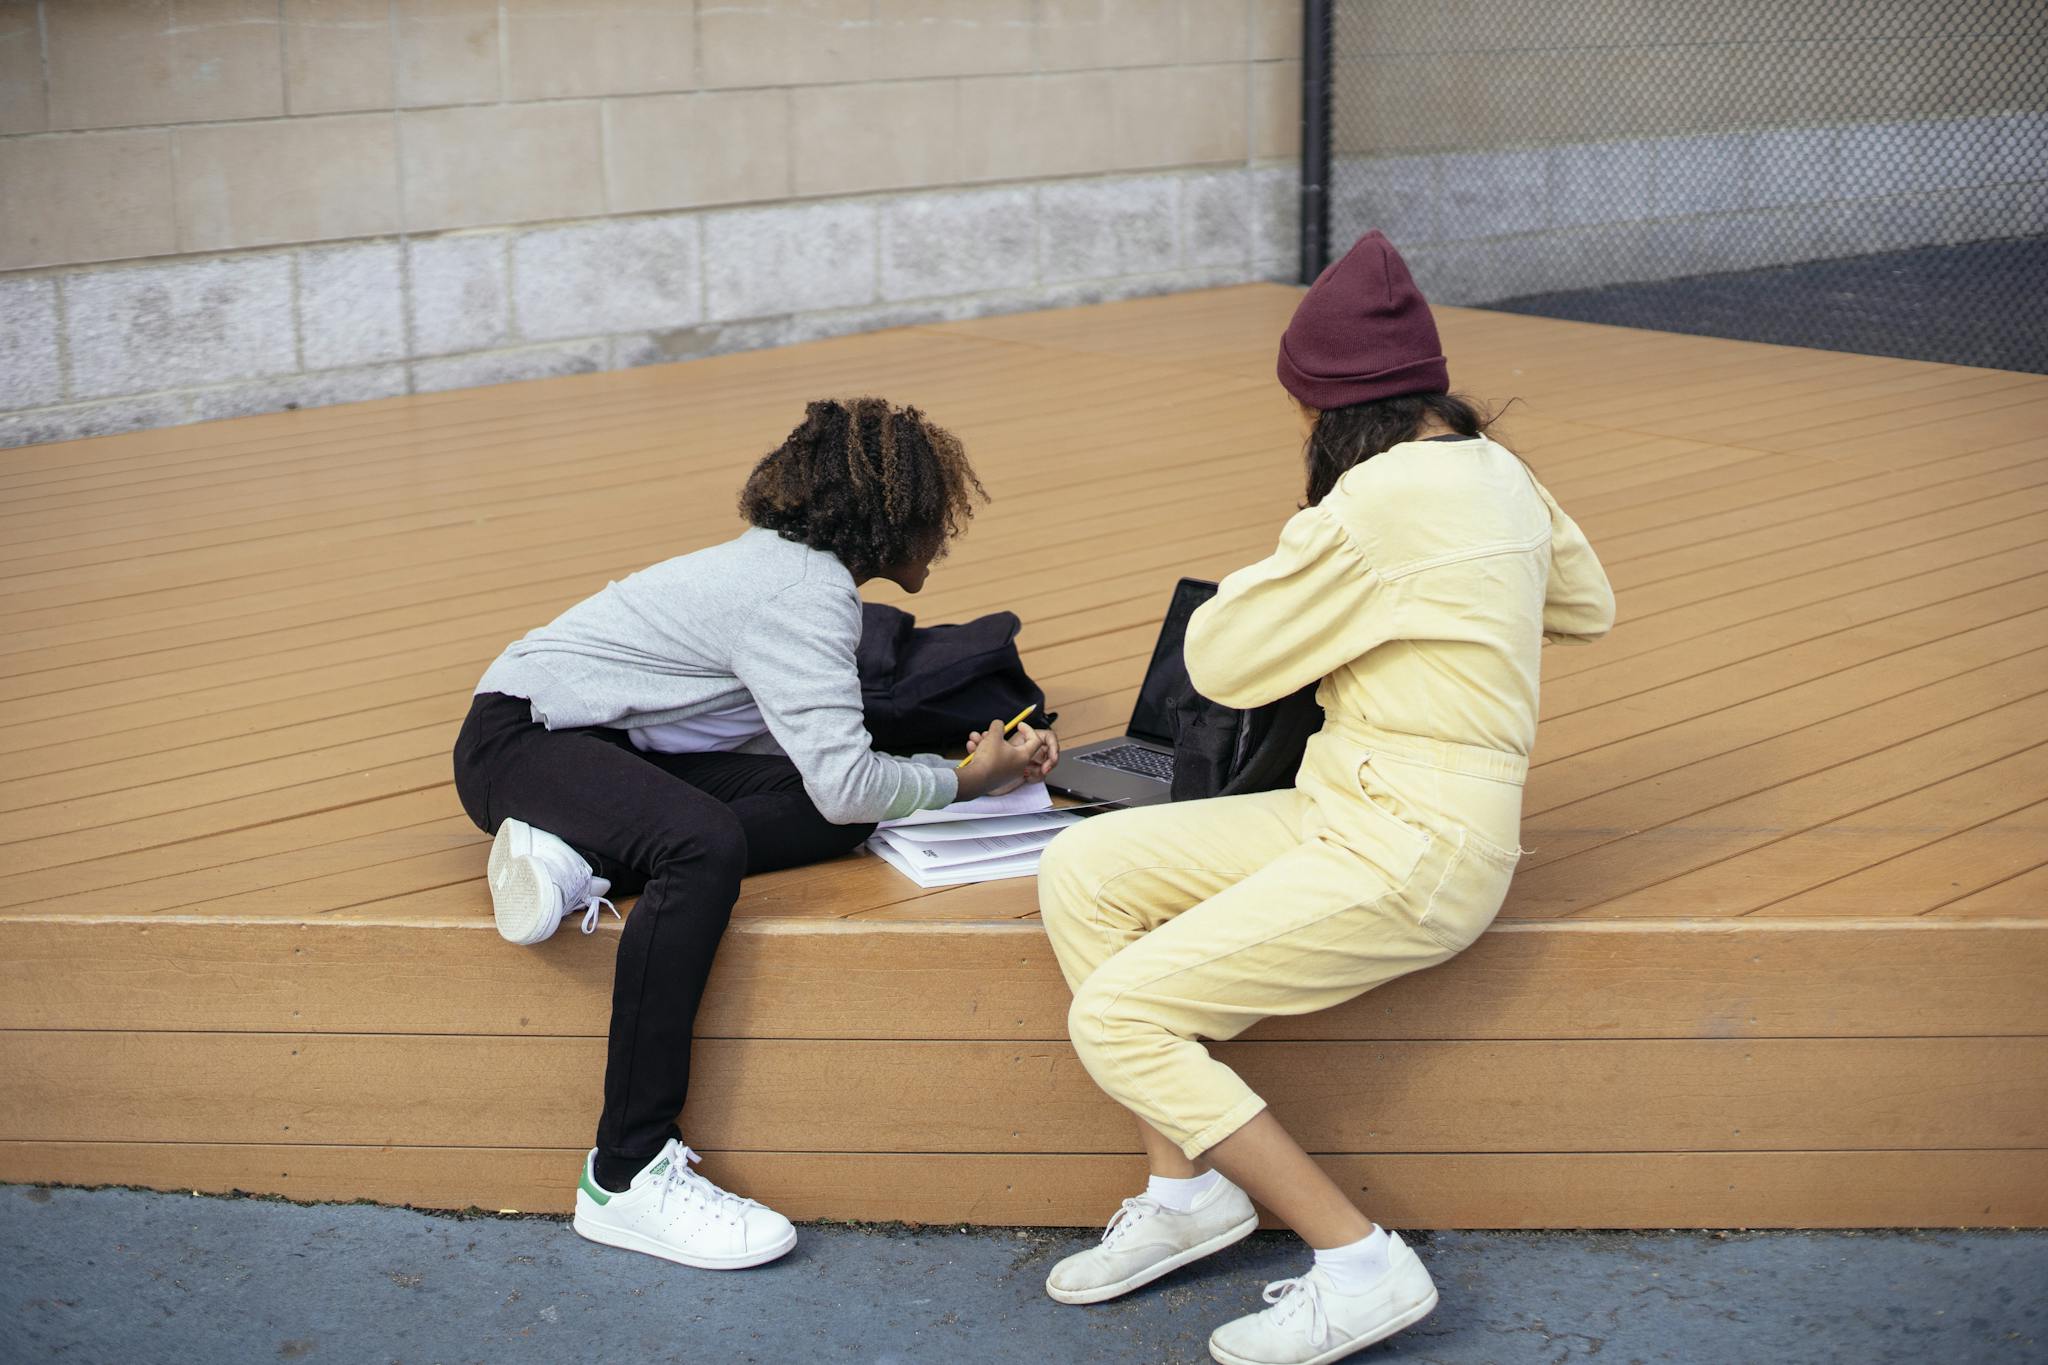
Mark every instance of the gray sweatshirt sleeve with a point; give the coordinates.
(798, 662)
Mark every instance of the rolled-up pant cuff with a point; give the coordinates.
(1236, 1117)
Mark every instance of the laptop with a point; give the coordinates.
(1137, 770)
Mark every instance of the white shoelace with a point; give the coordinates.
(590, 914)
(723, 1204)
(1289, 1296)
(1132, 1212)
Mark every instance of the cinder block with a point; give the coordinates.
(1952, 153)
(2022, 147)
(1215, 31)
(1180, 116)
(1216, 219)
(115, 64)
(1587, 257)
(175, 326)
(1491, 194)
(1989, 212)
(1093, 228)
(447, 51)
(1396, 194)
(505, 367)
(848, 139)
(351, 305)
(919, 38)
(679, 151)
(1025, 127)
(1706, 174)
(1276, 222)
(288, 180)
(785, 42)
(797, 258)
(21, 68)
(1458, 272)
(1084, 33)
(557, 49)
(29, 373)
(1599, 182)
(1873, 159)
(1792, 166)
(85, 197)
(1276, 28)
(458, 293)
(504, 163)
(339, 56)
(77, 421)
(1276, 109)
(968, 242)
(1905, 221)
(619, 276)
(298, 391)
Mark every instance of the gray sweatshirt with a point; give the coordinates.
(758, 617)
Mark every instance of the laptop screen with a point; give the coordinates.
(1166, 677)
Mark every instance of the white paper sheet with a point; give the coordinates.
(996, 870)
(995, 826)
(1029, 799)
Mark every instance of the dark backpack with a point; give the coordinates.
(924, 687)
(1220, 750)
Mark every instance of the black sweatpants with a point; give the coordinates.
(680, 829)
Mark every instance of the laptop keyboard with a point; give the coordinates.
(1132, 758)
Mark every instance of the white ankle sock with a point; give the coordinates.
(1357, 1267)
(1180, 1195)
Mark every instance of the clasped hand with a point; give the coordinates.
(1002, 763)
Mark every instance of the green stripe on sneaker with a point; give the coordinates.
(592, 1188)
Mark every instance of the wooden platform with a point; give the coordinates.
(1779, 957)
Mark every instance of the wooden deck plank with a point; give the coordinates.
(1702, 524)
(822, 979)
(842, 1095)
(1617, 876)
(1933, 876)
(1788, 824)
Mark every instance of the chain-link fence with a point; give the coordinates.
(1867, 176)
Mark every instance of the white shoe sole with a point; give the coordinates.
(1402, 1322)
(633, 1241)
(522, 896)
(1103, 1293)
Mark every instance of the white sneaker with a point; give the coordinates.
(672, 1212)
(1311, 1323)
(1145, 1240)
(535, 878)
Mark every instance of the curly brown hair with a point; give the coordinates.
(876, 485)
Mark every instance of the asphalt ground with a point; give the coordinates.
(133, 1278)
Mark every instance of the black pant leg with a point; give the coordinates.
(782, 823)
(628, 816)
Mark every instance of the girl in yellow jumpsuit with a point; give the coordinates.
(1419, 583)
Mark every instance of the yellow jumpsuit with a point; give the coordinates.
(1420, 592)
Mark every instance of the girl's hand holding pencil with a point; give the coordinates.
(1015, 754)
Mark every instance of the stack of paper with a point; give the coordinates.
(983, 840)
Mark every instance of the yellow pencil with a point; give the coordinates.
(1015, 721)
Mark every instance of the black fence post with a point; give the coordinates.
(1315, 138)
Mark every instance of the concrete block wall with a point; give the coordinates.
(214, 207)
(1482, 226)
(1515, 148)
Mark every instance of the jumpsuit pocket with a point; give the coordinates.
(1468, 892)
(1396, 845)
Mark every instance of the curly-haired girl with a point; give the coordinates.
(695, 723)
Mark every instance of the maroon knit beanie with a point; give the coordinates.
(1362, 332)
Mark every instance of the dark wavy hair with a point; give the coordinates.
(1344, 438)
(876, 485)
